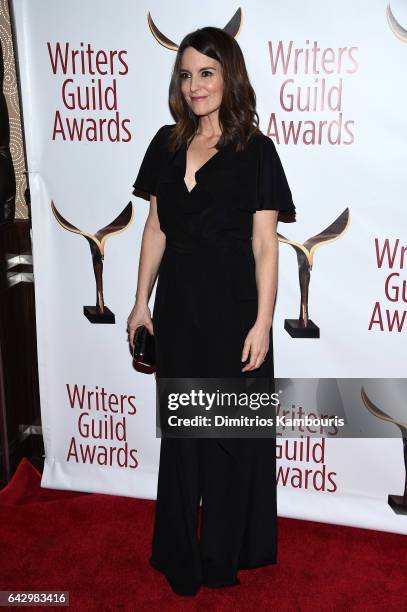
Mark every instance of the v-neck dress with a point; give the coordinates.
(205, 304)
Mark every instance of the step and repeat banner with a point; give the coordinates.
(331, 93)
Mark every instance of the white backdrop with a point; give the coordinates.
(90, 178)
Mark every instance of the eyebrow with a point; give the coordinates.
(205, 68)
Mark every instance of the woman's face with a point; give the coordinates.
(201, 81)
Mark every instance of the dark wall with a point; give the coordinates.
(20, 422)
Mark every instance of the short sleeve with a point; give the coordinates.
(273, 192)
(147, 177)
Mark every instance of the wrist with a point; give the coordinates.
(141, 302)
(264, 323)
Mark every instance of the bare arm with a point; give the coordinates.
(265, 250)
(151, 252)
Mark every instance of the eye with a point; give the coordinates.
(205, 74)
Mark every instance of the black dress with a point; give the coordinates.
(205, 304)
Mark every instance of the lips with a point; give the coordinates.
(198, 98)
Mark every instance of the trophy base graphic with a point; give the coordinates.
(296, 329)
(398, 503)
(92, 313)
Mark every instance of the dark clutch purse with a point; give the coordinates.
(144, 348)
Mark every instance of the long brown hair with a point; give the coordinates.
(237, 113)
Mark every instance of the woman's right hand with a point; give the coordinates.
(140, 315)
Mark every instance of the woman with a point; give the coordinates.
(216, 186)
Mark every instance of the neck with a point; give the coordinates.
(209, 126)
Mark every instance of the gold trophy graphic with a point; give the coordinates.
(232, 27)
(99, 313)
(397, 502)
(303, 327)
(395, 26)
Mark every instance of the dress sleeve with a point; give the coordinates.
(273, 192)
(147, 177)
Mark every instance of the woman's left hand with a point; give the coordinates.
(257, 345)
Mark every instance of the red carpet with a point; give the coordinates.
(97, 547)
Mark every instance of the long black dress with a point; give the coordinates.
(205, 304)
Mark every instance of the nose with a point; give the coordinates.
(194, 84)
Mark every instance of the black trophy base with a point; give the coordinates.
(296, 329)
(92, 313)
(398, 503)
